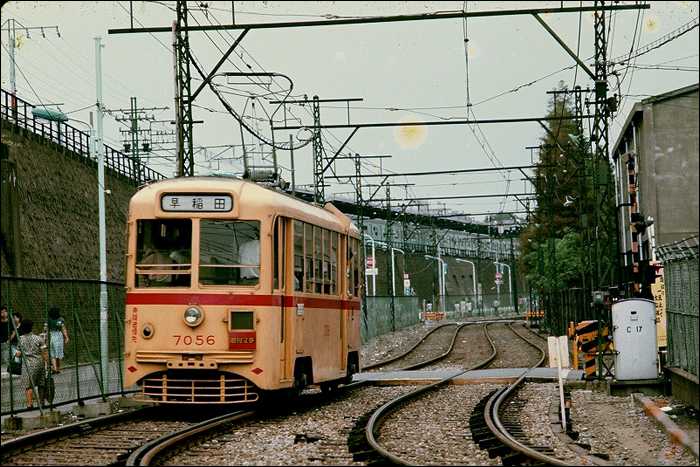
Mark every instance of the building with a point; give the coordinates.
(656, 163)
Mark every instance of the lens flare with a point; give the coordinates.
(651, 25)
(410, 137)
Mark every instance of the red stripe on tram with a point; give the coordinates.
(238, 300)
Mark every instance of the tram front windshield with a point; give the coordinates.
(229, 253)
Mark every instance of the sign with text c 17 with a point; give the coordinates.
(241, 340)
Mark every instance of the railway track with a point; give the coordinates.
(433, 346)
(98, 441)
(169, 445)
(494, 429)
(155, 435)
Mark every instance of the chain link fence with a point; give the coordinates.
(680, 262)
(78, 301)
(379, 317)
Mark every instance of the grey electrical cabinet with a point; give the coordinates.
(634, 339)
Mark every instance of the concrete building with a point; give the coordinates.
(656, 164)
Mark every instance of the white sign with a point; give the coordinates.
(558, 349)
(559, 358)
(407, 282)
(193, 202)
(371, 272)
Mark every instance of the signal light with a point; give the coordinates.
(648, 272)
(640, 224)
(652, 273)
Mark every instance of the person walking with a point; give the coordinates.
(4, 339)
(58, 335)
(35, 361)
(15, 333)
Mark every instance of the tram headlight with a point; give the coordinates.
(147, 331)
(193, 316)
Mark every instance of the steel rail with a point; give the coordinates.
(393, 405)
(44, 437)
(393, 359)
(398, 357)
(146, 453)
(151, 451)
(495, 425)
(493, 421)
(439, 357)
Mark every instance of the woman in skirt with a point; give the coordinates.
(34, 364)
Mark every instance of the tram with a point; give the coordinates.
(235, 290)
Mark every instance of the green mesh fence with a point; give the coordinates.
(81, 368)
(680, 261)
(379, 318)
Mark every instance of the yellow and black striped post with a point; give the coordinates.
(586, 334)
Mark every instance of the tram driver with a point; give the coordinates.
(249, 255)
(156, 255)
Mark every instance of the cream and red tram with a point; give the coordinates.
(233, 289)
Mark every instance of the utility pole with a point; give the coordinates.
(131, 136)
(100, 148)
(319, 158)
(361, 227)
(11, 42)
(388, 234)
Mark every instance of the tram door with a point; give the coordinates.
(350, 284)
(297, 309)
(281, 288)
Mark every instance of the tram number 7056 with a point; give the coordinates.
(197, 340)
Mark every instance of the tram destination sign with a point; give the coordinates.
(194, 202)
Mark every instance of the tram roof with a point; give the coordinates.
(247, 193)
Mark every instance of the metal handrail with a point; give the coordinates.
(17, 111)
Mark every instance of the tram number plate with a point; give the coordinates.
(241, 340)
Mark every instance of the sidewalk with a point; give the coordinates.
(72, 384)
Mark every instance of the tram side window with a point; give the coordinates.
(315, 259)
(298, 255)
(164, 246)
(349, 260)
(229, 252)
(279, 253)
(334, 263)
(309, 251)
(354, 248)
(318, 260)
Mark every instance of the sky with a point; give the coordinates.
(387, 72)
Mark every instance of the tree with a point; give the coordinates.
(557, 175)
(551, 243)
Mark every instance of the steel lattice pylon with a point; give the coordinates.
(319, 192)
(183, 103)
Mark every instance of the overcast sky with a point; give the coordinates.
(405, 70)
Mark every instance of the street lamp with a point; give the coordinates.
(441, 279)
(393, 271)
(374, 262)
(460, 260)
(55, 116)
(510, 279)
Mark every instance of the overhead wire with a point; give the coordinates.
(232, 111)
